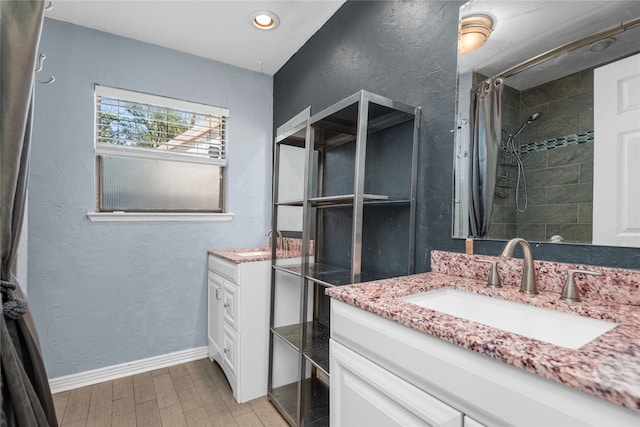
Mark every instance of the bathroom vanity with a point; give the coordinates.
(396, 363)
(238, 315)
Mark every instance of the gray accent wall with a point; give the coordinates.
(406, 50)
(401, 50)
(104, 293)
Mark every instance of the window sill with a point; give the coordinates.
(145, 217)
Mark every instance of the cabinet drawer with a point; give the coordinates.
(226, 269)
(230, 349)
(230, 304)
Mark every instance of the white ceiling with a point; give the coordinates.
(524, 29)
(214, 29)
(221, 30)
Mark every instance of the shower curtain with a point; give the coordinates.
(26, 397)
(486, 125)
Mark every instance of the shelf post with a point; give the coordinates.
(358, 190)
(414, 185)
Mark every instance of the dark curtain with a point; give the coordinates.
(26, 397)
(486, 125)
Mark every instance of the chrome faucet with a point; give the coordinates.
(529, 285)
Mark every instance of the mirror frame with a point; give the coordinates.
(460, 221)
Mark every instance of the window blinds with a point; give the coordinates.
(135, 124)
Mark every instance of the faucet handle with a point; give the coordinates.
(493, 281)
(570, 290)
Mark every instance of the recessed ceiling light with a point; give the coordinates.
(603, 44)
(264, 20)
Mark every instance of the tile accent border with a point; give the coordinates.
(561, 141)
(108, 373)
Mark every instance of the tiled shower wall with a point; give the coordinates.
(503, 217)
(559, 171)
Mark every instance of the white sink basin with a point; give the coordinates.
(254, 253)
(555, 327)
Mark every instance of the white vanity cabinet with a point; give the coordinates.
(238, 324)
(365, 394)
(385, 373)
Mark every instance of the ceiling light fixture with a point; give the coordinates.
(601, 45)
(474, 31)
(264, 20)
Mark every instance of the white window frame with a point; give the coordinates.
(131, 152)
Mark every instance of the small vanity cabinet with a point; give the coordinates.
(238, 324)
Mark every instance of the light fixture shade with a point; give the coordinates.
(474, 31)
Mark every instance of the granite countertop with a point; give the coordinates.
(238, 256)
(607, 367)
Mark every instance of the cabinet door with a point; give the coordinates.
(230, 304)
(365, 394)
(214, 324)
(230, 350)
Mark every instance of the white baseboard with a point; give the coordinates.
(95, 376)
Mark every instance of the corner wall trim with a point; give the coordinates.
(95, 376)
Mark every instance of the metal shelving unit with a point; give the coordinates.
(339, 191)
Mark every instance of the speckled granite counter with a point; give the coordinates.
(607, 367)
(238, 256)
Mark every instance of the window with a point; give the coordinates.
(157, 154)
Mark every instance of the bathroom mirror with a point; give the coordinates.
(543, 186)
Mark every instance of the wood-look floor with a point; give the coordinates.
(192, 394)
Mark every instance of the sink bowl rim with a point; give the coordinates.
(589, 328)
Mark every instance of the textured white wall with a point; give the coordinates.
(109, 293)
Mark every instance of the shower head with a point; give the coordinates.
(531, 118)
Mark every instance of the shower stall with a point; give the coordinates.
(545, 163)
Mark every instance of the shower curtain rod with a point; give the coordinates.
(600, 35)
